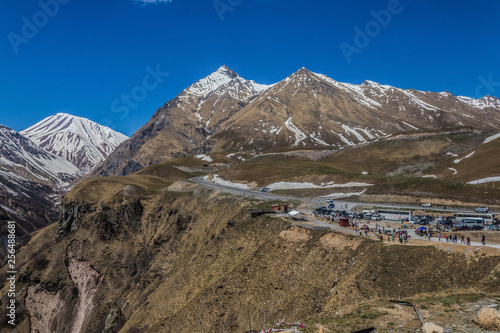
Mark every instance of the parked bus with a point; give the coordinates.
(395, 215)
(486, 218)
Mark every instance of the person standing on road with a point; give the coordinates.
(483, 240)
(468, 240)
(462, 240)
(446, 238)
(439, 236)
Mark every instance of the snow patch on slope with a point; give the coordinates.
(491, 138)
(204, 157)
(484, 180)
(344, 195)
(299, 135)
(463, 158)
(217, 180)
(293, 186)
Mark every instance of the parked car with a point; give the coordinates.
(426, 205)
(320, 210)
(476, 227)
(376, 217)
(460, 228)
(264, 189)
(331, 205)
(482, 209)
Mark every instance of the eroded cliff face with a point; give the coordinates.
(86, 280)
(46, 307)
(195, 260)
(43, 307)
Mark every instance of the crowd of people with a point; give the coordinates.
(402, 235)
(382, 233)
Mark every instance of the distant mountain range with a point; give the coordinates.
(39, 163)
(226, 113)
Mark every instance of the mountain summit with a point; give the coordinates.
(184, 125)
(82, 142)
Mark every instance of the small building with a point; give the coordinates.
(281, 208)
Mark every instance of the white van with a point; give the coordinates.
(472, 222)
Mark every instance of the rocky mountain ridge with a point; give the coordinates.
(226, 113)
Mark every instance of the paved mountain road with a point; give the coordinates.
(339, 204)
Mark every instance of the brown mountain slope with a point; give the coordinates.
(309, 110)
(226, 113)
(183, 125)
(478, 162)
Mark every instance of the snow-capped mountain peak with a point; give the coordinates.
(220, 80)
(368, 83)
(78, 140)
(203, 87)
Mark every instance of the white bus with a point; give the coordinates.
(395, 215)
(487, 219)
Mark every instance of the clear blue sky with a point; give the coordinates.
(91, 52)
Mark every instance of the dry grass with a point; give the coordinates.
(269, 169)
(274, 168)
(100, 189)
(489, 319)
(484, 163)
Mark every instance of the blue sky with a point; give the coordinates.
(86, 54)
